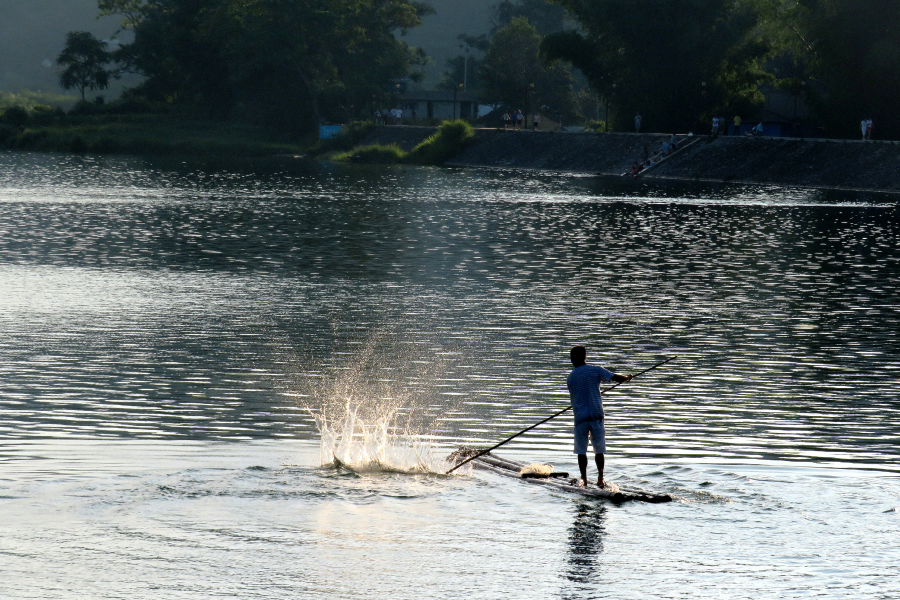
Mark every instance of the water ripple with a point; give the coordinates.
(147, 299)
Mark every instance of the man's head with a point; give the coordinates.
(578, 354)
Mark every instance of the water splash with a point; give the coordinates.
(376, 445)
(377, 403)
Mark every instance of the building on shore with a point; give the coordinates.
(438, 104)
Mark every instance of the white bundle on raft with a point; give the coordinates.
(536, 470)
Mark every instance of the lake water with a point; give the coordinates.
(175, 337)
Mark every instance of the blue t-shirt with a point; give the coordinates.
(584, 391)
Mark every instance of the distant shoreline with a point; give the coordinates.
(150, 133)
(848, 165)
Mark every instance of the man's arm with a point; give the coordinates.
(621, 378)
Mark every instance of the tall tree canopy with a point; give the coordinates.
(513, 73)
(675, 61)
(291, 62)
(543, 14)
(84, 58)
(852, 47)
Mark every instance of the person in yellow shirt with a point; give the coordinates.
(737, 125)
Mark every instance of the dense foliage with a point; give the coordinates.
(84, 58)
(675, 61)
(852, 49)
(290, 63)
(514, 75)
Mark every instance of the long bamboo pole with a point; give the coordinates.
(527, 429)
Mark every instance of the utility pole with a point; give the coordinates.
(465, 67)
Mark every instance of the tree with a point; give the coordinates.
(283, 62)
(545, 16)
(465, 68)
(853, 51)
(675, 61)
(85, 58)
(513, 73)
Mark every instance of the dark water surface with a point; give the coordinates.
(169, 329)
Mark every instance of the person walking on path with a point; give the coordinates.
(536, 119)
(737, 125)
(587, 405)
(637, 123)
(520, 120)
(505, 118)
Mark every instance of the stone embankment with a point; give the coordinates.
(604, 153)
(834, 164)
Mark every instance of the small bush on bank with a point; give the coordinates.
(452, 137)
(84, 108)
(374, 154)
(15, 116)
(7, 135)
(37, 140)
(129, 105)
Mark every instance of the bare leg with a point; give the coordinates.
(600, 460)
(582, 466)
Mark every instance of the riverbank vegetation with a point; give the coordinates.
(133, 128)
(449, 139)
(261, 75)
(275, 63)
(681, 62)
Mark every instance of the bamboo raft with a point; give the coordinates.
(560, 481)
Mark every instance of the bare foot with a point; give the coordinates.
(601, 484)
(582, 483)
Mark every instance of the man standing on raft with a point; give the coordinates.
(584, 391)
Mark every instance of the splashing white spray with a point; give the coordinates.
(378, 408)
(381, 444)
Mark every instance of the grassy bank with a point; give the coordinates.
(139, 128)
(452, 137)
(147, 132)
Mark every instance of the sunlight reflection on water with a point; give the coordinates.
(169, 329)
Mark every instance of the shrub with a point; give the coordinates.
(129, 105)
(374, 154)
(86, 108)
(16, 116)
(35, 140)
(42, 114)
(358, 130)
(7, 135)
(452, 137)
